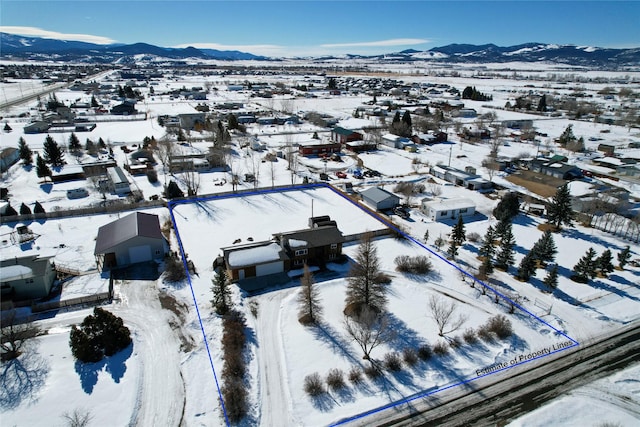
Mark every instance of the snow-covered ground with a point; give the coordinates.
(166, 377)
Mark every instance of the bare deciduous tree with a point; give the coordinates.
(77, 418)
(308, 299)
(444, 315)
(14, 334)
(368, 329)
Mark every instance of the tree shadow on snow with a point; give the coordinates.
(325, 333)
(22, 378)
(323, 402)
(114, 365)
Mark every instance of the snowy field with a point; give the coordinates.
(166, 376)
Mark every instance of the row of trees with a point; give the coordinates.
(590, 265)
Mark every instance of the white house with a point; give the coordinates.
(447, 208)
(118, 181)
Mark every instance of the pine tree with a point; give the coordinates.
(544, 250)
(221, 301)
(94, 101)
(508, 207)
(486, 267)
(501, 228)
(505, 258)
(10, 211)
(426, 236)
(308, 299)
(26, 155)
(551, 279)
(586, 267)
(527, 268)
(605, 263)
(458, 233)
(452, 251)
(24, 209)
(623, 257)
(560, 211)
(42, 170)
(74, 143)
(406, 119)
(567, 136)
(487, 250)
(542, 104)
(366, 282)
(38, 209)
(101, 144)
(173, 190)
(7, 128)
(52, 153)
(90, 146)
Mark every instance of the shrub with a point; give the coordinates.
(100, 334)
(355, 375)
(410, 356)
(424, 352)
(500, 325)
(335, 379)
(392, 362)
(174, 269)
(235, 394)
(485, 334)
(152, 176)
(313, 384)
(455, 342)
(473, 237)
(414, 265)
(372, 371)
(469, 336)
(441, 349)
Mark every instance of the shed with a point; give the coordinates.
(130, 240)
(118, 180)
(447, 208)
(379, 198)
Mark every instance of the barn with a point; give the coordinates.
(130, 240)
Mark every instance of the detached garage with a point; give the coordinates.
(130, 240)
(379, 198)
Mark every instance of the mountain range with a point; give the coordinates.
(39, 48)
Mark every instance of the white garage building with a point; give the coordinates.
(130, 240)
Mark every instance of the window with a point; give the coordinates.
(301, 252)
(443, 213)
(334, 246)
(299, 261)
(463, 210)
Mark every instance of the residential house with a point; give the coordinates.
(379, 199)
(37, 127)
(443, 209)
(343, 136)
(318, 147)
(9, 156)
(191, 120)
(132, 239)
(468, 178)
(555, 167)
(124, 109)
(26, 277)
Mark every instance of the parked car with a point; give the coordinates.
(401, 212)
(341, 174)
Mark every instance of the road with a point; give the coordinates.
(502, 397)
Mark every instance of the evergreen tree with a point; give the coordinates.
(24, 209)
(406, 119)
(551, 279)
(7, 128)
(567, 136)
(221, 301)
(624, 256)
(366, 283)
(458, 234)
(26, 155)
(173, 190)
(453, 249)
(396, 118)
(91, 147)
(467, 93)
(94, 101)
(42, 170)
(560, 211)
(505, 258)
(544, 250)
(100, 334)
(308, 299)
(508, 207)
(74, 143)
(101, 144)
(605, 263)
(586, 267)
(527, 268)
(486, 267)
(52, 153)
(10, 211)
(501, 228)
(487, 250)
(38, 209)
(542, 104)
(232, 121)
(426, 236)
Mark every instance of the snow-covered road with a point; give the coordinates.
(160, 394)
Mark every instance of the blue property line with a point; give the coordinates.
(195, 303)
(390, 225)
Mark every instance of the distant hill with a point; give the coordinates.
(61, 50)
(37, 48)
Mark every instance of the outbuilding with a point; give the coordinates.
(130, 240)
(438, 210)
(379, 198)
(27, 277)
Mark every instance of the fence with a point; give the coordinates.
(618, 225)
(55, 305)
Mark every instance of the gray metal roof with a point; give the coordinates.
(377, 195)
(123, 229)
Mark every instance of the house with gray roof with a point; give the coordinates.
(132, 239)
(26, 277)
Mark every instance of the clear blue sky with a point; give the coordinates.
(301, 28)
